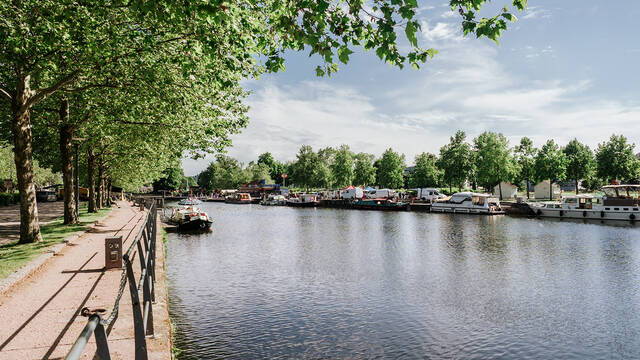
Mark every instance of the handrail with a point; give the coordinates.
(142, 313)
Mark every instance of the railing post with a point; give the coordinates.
(138, 322)
(146, 299)
(101, 342)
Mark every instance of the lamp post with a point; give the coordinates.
(76, 179)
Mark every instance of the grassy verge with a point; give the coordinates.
(14, 255)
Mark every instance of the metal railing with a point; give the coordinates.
(145, 245)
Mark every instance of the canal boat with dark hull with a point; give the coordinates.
(238, 198)
(303, 200)
(189, 218)
(380, 204)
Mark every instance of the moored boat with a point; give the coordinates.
(303, 200)
(187, 218)
(469, 203)
(380, 204)
(274, 200)
(620, 202)
(238, 198)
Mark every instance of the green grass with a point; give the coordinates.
(13, 255)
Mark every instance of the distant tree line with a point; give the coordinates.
(484, 162)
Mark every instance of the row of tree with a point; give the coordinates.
(136, 84)
(486, 161)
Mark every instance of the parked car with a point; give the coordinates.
(45, 195)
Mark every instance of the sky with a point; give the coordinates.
(566, 69)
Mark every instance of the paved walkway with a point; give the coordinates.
(40, 315)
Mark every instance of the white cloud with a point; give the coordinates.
(466, 86)
(441, 31)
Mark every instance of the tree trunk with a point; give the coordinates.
(577, 187)
(108, 192)
(23, 157)
(550, 189)
(91, 176)
(66, 155)
(100, 186)
(450, 190)
(527, 183)
(500, 189)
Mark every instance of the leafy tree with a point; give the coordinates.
(88, 44)
(492, 159)
(391, 170)
(305, 167)
(426, 172)
(550, 164)
(525, 156)
(258, 171)
(206, 179)
(455, 160)
(173, 179)
(276, 169)
(342, 167)
(580, 161)
(363, 172)
(616, 160)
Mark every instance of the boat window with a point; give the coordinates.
(616, 208)
(607, 208)
(558, 206)
(571, 200)
(635, 209)
(477, 200)
(625, 209)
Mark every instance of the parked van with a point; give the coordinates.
(352, 193)
(429, 194)
(381, 194)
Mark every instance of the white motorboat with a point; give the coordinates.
(190, 218)
(620, 202)
(469, 203)
(274, 200)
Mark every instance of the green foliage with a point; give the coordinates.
(426, 172)
(492, 159)
(550, 163)
(226, 173)
(42, 176)
(525, 155)
(580, 161)
(173, 179)
(305, 168)
(455, 160)
(342, 167)
(616, 160)
(259, 171)
(391, 170)
(364, 173)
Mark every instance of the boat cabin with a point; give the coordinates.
(621, 195)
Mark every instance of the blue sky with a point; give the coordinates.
(565, 69)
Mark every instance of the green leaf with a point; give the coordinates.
(343, 54)
(410, 31)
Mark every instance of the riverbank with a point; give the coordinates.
(41, 314)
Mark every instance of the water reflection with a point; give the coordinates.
(274, 282)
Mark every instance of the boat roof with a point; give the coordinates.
(469, 193)
(625, 186)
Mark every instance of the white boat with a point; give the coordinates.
(469, 203)
(190, 218)
(273, 199)
(620, 202)
(303, 200)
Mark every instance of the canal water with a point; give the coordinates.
(279, 282)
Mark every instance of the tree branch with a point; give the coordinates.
(43, 93)
(5, 94)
